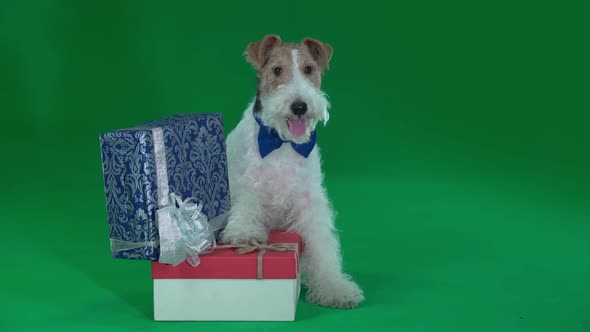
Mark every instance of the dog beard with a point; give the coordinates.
(276, 112)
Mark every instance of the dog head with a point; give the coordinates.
(289, 97)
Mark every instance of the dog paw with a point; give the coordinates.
(343, 294)
(236, 233)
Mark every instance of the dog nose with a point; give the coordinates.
(299, 108)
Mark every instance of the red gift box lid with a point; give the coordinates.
(225, 263)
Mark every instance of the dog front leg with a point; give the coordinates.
(321, 264)
(245, 220)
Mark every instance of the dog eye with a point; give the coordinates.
(308, 70)
(277, 71)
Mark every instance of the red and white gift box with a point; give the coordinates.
(227, 286)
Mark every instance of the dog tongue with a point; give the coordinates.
(297, 127)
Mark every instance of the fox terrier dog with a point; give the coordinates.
(274, 165)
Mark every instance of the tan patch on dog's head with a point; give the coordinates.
(258, 53)
(273, 60)
(320, 52)
(277, 71)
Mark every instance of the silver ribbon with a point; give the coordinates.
(184, 231)
(121, 245)
(179, 248)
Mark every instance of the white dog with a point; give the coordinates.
(274, 165)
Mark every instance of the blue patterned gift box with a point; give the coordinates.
(182, 155)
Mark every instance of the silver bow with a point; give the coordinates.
(185, 232)
(188, 232)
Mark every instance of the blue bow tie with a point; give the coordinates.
(269, 140)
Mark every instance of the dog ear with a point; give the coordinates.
(321, 52)
(257, 53)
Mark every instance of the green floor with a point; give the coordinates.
(433, 253)
(456, 154)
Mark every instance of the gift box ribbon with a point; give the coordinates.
(183, 229)
(254, 245)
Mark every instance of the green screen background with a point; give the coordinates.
(456, 154)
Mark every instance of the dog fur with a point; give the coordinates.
(284, 190)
